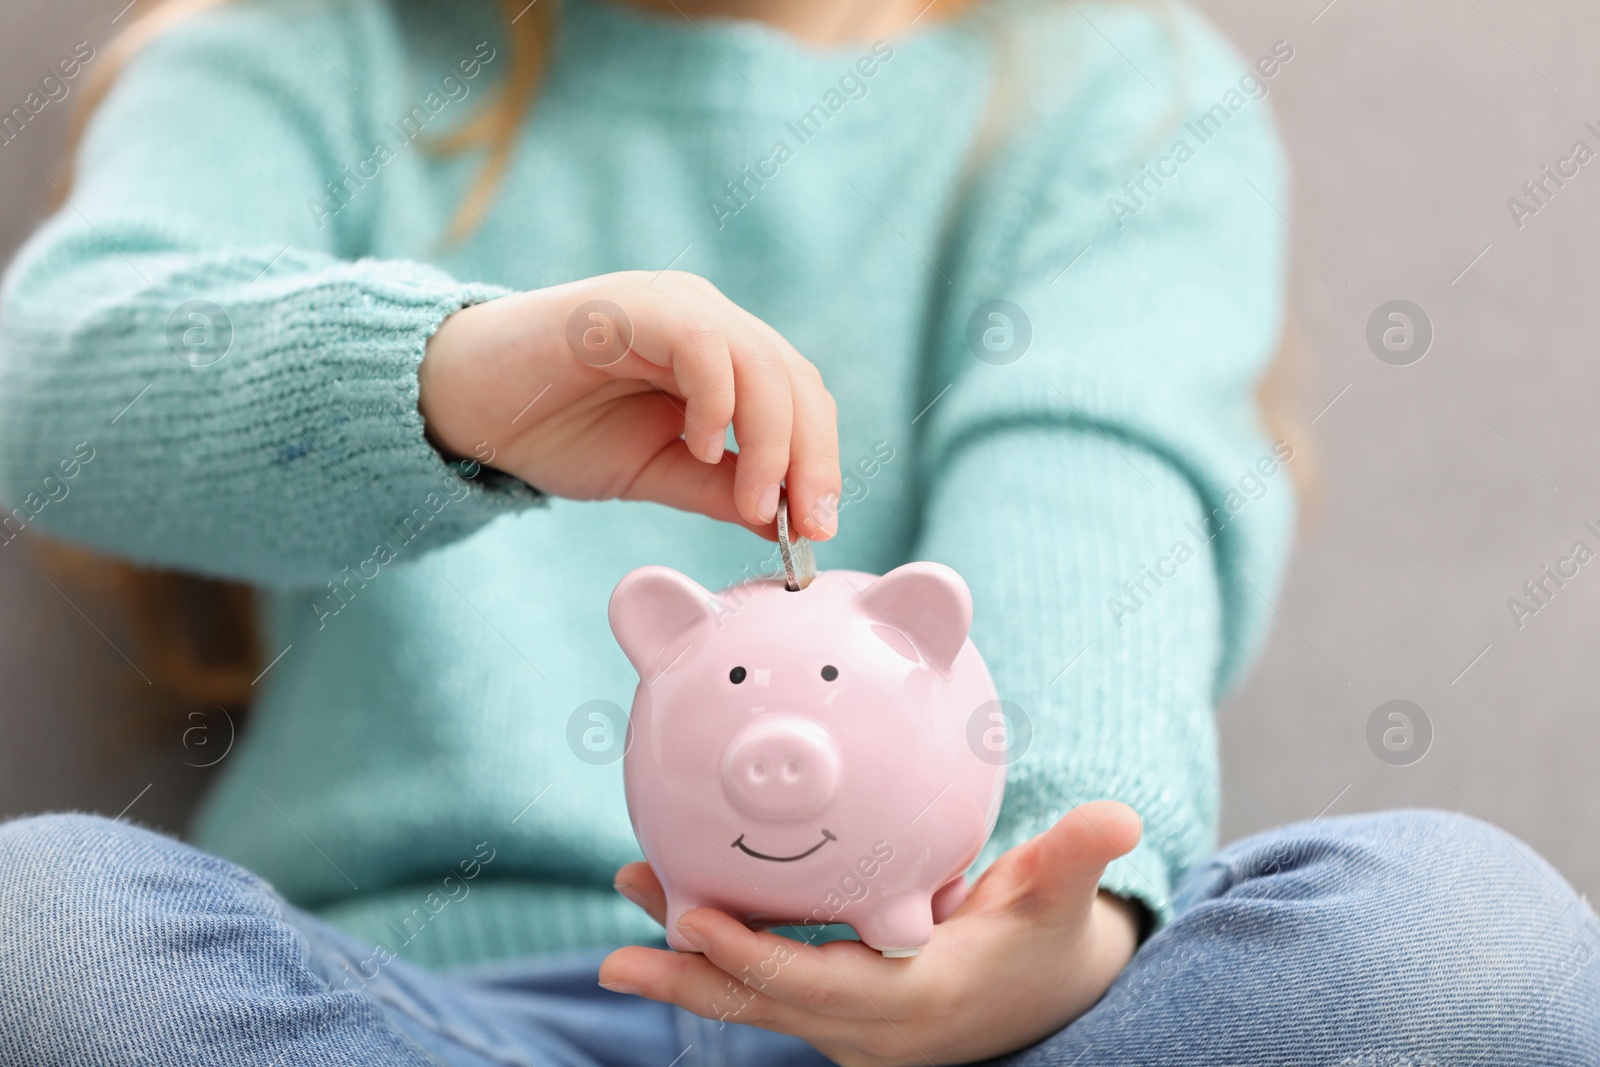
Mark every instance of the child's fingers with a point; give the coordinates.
(638, 883)
(676, 477)
(702, 366)
(843, 979)
(688, 318)
(730, 367)
(763, 419)
(684, 323)
(678, 339)
(813, 479)
(696, 985)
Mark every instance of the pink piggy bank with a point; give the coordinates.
(804, 757)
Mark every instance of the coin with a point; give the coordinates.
(799, 563)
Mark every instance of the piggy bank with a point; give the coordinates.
(803, 757)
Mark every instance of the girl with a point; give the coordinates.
(429, 320)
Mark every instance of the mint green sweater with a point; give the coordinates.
(1109, 496)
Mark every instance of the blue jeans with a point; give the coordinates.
(1404, 939)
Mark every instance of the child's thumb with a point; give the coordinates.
(1064, 864)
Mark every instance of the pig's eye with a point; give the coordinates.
(829, 673)
(736, 675)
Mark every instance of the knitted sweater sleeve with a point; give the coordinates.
(1099, 473)
(243, 384)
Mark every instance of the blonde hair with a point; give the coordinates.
(492, 128)
(197, 636)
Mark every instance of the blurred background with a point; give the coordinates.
(1454, 433)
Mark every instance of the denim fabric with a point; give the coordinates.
(1404, 939)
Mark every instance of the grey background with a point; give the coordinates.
(1444, 484)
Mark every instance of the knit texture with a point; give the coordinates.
(1106, 494)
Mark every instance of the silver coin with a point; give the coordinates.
(799, 562)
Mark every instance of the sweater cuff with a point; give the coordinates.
(413, 466)
(494, 490)
(372, 475)
(284, 440)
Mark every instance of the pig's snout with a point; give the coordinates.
(781, 767)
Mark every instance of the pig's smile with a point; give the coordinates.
(748, 851)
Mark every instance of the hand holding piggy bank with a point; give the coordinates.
(802, 756)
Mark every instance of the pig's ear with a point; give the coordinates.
(930, 604)
(655, 613)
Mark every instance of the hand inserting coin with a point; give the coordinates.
(799, 562)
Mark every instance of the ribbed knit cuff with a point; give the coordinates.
(404, 467)
(266, 430)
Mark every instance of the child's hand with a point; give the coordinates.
(554, 387)
(1033, 947)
